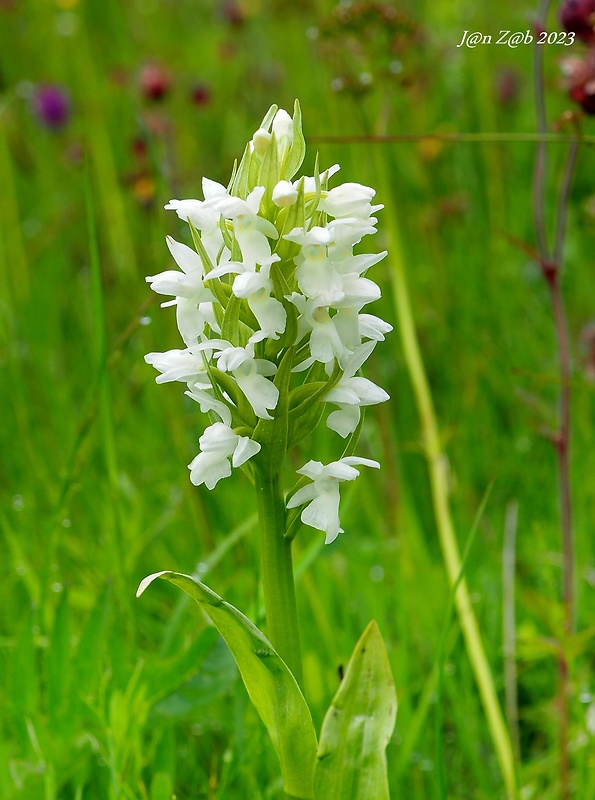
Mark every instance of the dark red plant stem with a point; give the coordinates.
(551, 266)
(563, 438)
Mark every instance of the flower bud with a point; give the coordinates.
(580, 77)
(283, 128)
(578, 16)
(284, 194)
(260, 141)
(154, 82)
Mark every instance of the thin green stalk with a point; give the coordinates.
(276, 573)
(441, 653)
(438, 468)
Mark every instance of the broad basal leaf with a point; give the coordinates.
(271, 686)
(351, 761)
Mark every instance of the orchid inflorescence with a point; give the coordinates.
(269, 305)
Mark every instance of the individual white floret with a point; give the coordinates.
(351, 393)
(322, 495)
(220, 448)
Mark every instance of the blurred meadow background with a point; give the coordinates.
(109, 109)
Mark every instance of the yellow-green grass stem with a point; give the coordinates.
(438, 471)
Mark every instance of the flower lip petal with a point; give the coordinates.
(245, 449)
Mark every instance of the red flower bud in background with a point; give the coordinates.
(154, 82)
(580, 78)
(201, 95)
(578, 16)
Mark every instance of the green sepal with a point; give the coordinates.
(297, 151)
(304, 425)
(234, 172)
(228, 239)
(271, 686)
(289, 335)
(230, 329)
(312, 204)
(254, 162)
(268, 118)
(303, 396)
(307, 406)
(214, 285)
(200, 248)
(268, 173)
(353, 440)
(238, 186)
(273, 433)
(351, 758)
(227, 383)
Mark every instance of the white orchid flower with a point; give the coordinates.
(372, 327)
(351, 393)
(250, 374)
(349, 231)
(205, 217)
(252, 231)
(257, 287)
(179, 365)
(218, 445)
(349, 200)
(193, 300)
(326, 343)
(200, 395)
(316, 276)
(310, 182)
(322, 495)
(345, 262)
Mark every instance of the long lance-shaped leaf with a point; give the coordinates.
(351, 762)
(271, 686)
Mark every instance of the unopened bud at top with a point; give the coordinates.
(260, 141)
(283, 128)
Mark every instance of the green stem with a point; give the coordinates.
(438, 468)
(276, 572)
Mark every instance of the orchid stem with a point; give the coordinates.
(276, 569)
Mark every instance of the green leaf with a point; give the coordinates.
(271, 686)
(351, 761)
(161, 787)
(59, 665)
(268, 173)
(298, 147)
(87, 665)
(268, 118)
(230, 330)
(238, 185)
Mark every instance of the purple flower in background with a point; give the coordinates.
(51, 105)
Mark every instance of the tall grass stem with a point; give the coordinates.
(438, 469)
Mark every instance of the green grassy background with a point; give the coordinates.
(104, 696)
